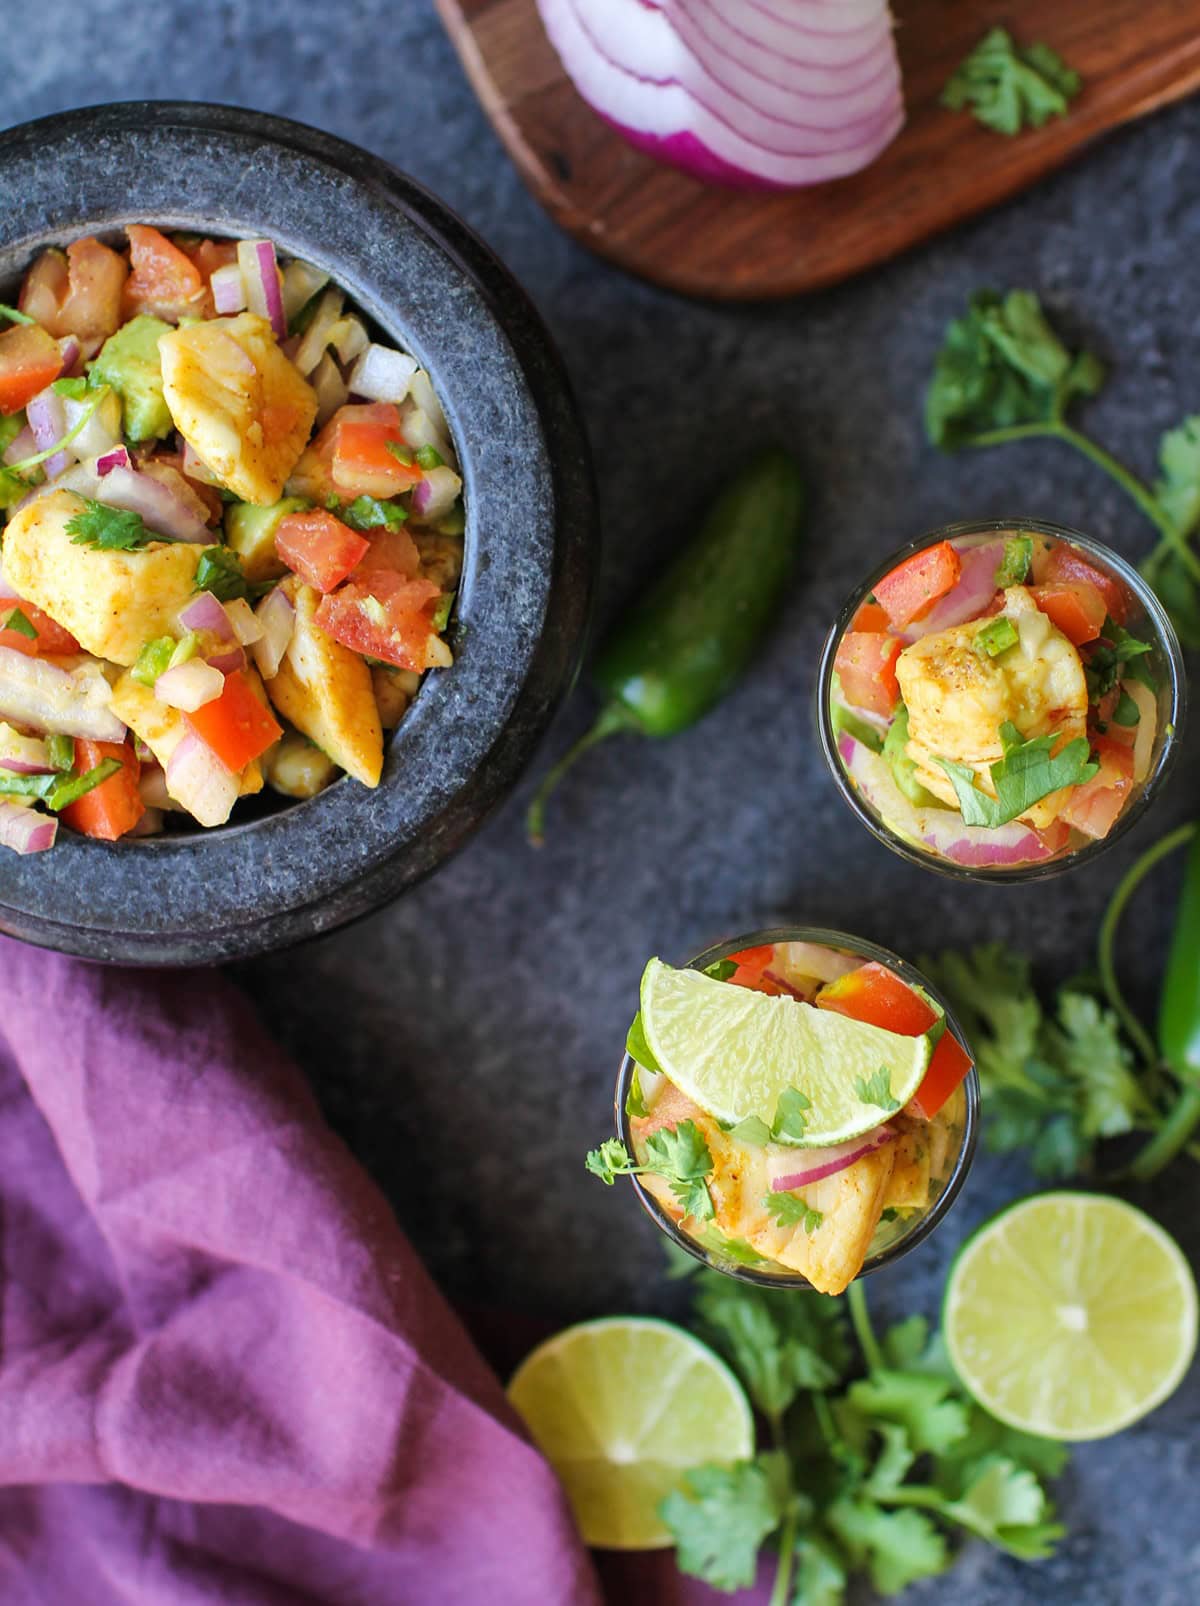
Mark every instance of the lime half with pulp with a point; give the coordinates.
(622, 1408)
(734, 1052)
(1070, 1315)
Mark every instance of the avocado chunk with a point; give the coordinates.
(129, 362)
(250, 531)
(895, 750)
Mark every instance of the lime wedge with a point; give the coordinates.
(1070, 1315)
(734, 1052)
(622, 1408)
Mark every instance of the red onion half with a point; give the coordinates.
(763, 93)
(799, 1169)
(260, 275)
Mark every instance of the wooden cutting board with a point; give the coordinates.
(1134, 55)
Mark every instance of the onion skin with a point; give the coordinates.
(837, 1157)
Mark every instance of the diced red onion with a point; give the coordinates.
(162, 510)
(228, 660)
(260, 274)
(277, 617)
(189, 685)
(195, 469)
(382, 374)
(79, 478)
(968, 597)
(22, 446)
(753, 99)
(804, 1166)
(316, 336)
(243, 622)
(115, 457)
(58, 701)
(197, 779)
(25, 830)
(204, 612)
(27, 755)
(326, 379)
(301, 281)
(943, 830)
(436, 493)
(71, 354)
(48, 421)
(228, 289)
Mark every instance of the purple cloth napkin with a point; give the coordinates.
(224, 1375)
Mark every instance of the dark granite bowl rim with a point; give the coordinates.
(316, 865)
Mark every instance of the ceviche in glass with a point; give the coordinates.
(231, 532)
(795, 1107)
(1001, 699)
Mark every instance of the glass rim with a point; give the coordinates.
(998, 875)
(830, 938)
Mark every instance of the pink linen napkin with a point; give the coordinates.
(224, 1375)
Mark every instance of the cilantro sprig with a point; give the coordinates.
(110, 529)
(1028, 772)
(679, 1154)
(1008, 87)
(871, 1474)
(1003, 374)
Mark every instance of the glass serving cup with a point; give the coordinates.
(893, 1238)
(1147, 620)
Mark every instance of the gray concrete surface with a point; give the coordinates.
(465, 1041)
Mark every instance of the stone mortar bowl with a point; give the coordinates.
(300, 869)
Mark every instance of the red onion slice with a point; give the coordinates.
(162, 511)
(23, 445)
(26, 755)
(802, 1167)
(56, 700)
(197, 780)
(25, 830)
(436, 493)
(968, 597)
(260, 274)
(48, 421)
(277, 617)
(204, 612)
(71, 350)
(115, 457)
(228, 290)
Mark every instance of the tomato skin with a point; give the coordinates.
(870, 618)
(1063, 563)
(751, 967)
(947, 1069)
(390, 549)
(915, 585)
(51, 637)
(1075, 607)
(401, 636)
(362, 464)
(235, 725)
(1095, 807)
(114, 807)
(29, 360)
(164, 283)
(866, 666)
(319, 548)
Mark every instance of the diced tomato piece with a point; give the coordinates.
(1094, 807)
(51, 637)
(361, 463)
(1063, 563)
(384, 615)
(947, 1069)
(164, 283)
(209, 255)
(29, 360)
(866, 667)
(915, 585)
(114, 807)
(236, 725)
(876, 995)
(1056, 835)
(79, 294)
(390, 549)
(751, 965)
(319, 548)
(871, 618)
(754, 958)
(1076, 607)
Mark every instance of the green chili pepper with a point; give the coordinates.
(687, 639)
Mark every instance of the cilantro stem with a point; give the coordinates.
(791, 1521)
(856, 1298)
(1171, 1136)
(612, 718)
(1106, 947)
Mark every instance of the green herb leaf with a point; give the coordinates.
(1016, 562)
(61, 751)
(1007, 87)
(635, 1103)
(74, 389)
(369, 513)
(15, 783)
(1116, 656)
(13, 315)
(682, 1156)
(71, 788)
(997, 636)
(1005, 1504)
(638, 1048)
(110, 529)
(440, 616)
(429, 457)
(896, 1547)
(1027, 773)
(1178, 488)
(790, 1123)
(877, 1090)
(922, 1404)
(790, 1210)
(750, 1130)
(721, 969)
(153, 660)
(735, 1249)
(610, 1161)
(1127, 712)
(401, 453)
(779, 1341)
(17, 621)
(720, 1519)
(820, 1576)
(220, 571)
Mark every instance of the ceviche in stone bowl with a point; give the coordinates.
(795, 1107)
(1001, 699)
(231, 530)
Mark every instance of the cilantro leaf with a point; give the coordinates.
(904, 1343)
(877, 1090)
(920, 1403)
(220, 571)
(752, 1131)
(19, 622)
(896, 1547)
(610, 1161)
(790, 1210)
(681, 1155)
(369, 513)
(1178, 487)
(1005, 1504)
(779, 1341)
(1028, 772)
(790, 1123)
(720, 969)
(1016, 562)
(635, 1103)
(719, 1520)
(1008, 87)
(735, 1249)
(74, 389)
(1084, 1040)
(638, 1048)
(820, 1576)
(1114, 656)
(110, 529)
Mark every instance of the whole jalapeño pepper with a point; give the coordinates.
(691, 634)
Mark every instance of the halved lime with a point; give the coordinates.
(622, 1408)
(734, 1051)
(1070, 1315)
